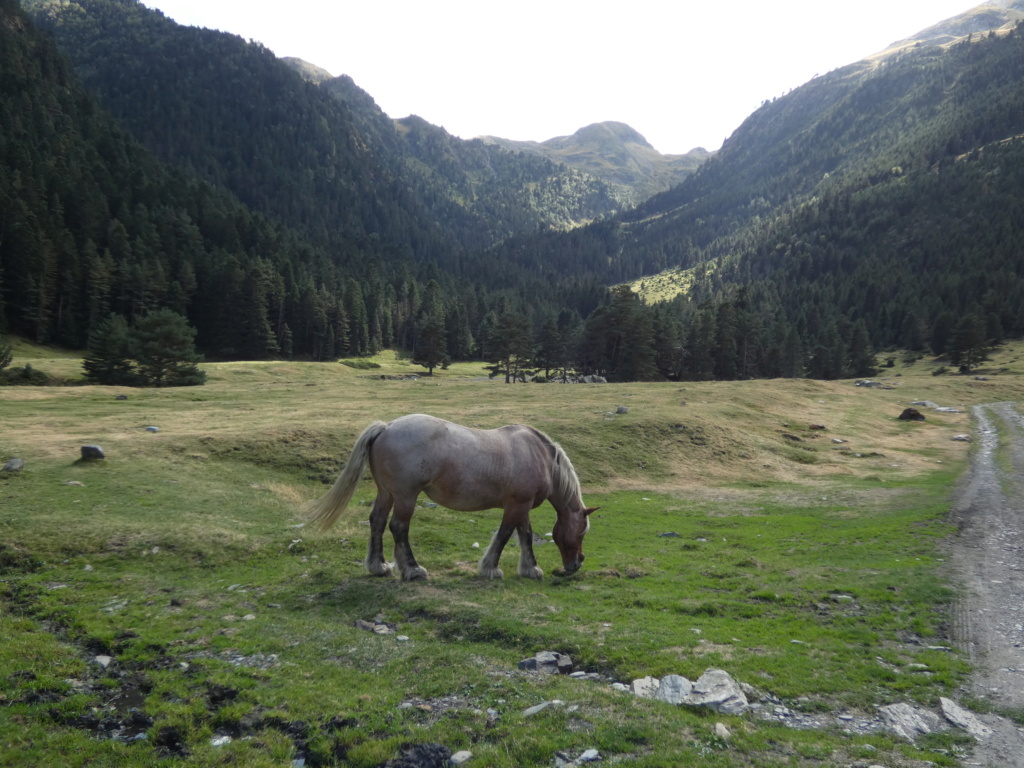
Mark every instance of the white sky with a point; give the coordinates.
(681, 72)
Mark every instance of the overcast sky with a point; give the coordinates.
(681, 72)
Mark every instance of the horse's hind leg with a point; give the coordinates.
(375, 562)
(404, 559)
(528, 567)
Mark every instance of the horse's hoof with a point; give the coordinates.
(532, 573)
(492, 573)
(419, 573)
(380, 569)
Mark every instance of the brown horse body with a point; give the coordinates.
(515, 468)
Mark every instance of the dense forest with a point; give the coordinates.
(159, 167)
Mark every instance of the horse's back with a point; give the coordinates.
(462, 467)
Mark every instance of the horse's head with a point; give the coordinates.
(568, 533)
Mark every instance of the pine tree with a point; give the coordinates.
(165, 351)
(111, 352)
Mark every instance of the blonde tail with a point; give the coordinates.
(325, 511)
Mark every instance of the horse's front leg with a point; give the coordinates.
(528, 567)
(375, 562)
(489, 562)
(407, 565)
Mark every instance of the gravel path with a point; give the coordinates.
(988, 555)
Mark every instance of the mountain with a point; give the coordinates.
(617, 154)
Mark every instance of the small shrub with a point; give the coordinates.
(940, 370)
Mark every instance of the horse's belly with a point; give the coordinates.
(459, 501)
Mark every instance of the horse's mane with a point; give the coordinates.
(563, 474)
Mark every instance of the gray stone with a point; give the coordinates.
(460, 758)
(909, 722)
(722, 732)
(121, 397)
(669, 535)
(964, 718)
(962, 438)
(717, 690)
(621, 409)
(673, 689)
(646, 687)
(103, 661)
(14, 465)
(590, 756)
(92, 452)
(621, 687)
(152, 429)
(536, 708)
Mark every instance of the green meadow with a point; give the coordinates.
(734, 533)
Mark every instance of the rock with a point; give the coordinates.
(365, 625)
(669, 535)
(673, 689)
(92, 453)
(621, 687)
(925, 404)
(220, 741)
(838, 441)
(152, 429)
(646, 687)
(717, 690)
(815, 426)
(911, 414)
(621, 409)
(962, 438)
(964, 718)
(908, 721)
(421, 756)
(530, 712)
(590, 756)
(722, 732)
(548, 661)
(121, 397)
(947, 409)
(14, 465)
(460, 758)
(103, 661)
(867, 383)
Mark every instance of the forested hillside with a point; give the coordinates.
(878, 205)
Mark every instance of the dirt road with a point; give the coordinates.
(988, 555)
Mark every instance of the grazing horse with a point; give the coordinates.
(513, 467)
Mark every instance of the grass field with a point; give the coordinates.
(808, 568)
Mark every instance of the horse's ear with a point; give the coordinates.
(588, 510)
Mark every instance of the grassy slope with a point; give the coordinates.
(160, 555)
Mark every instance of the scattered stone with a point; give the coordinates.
(103, 661)
(75, 482)
(962, 438)
(92, 453)
(459, 758)
(87, 567)
(550, 662)
(121, 397)
(669, 535)
(722, 732)
(646, 687)
(867, 383)
(589, 756)
(816, 426)
(621, 409)
(964, 718)
(947, 409)
(717, 690)
(220, 741)
(531, 711)
(14, 465)
(621, 687)
(838, 441)
(925, 404)
(402, 638)
(673, 689)
(421, 756)
(908, 721)
(911, 414)
(152, 429)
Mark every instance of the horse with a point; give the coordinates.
(514, 467)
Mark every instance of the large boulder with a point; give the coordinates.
(908, 721)
(717, 690)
